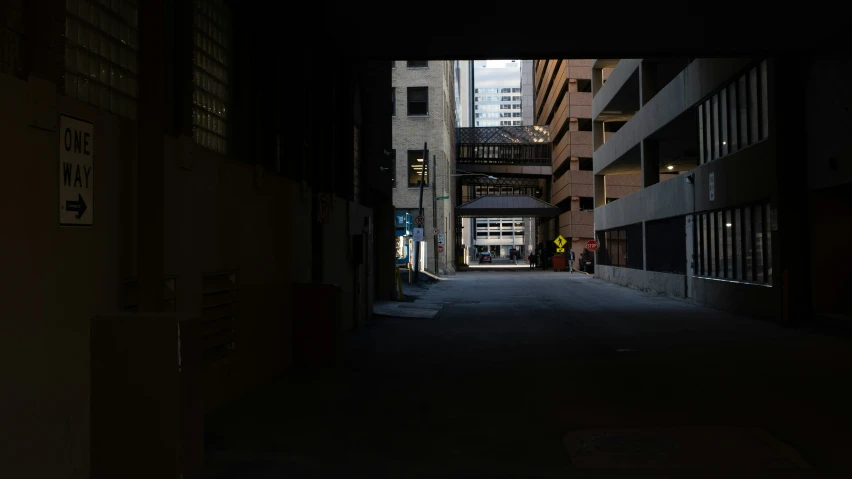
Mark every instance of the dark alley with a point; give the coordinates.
(423, 240)
(519, 368)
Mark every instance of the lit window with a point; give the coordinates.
(101, 45)
(417, 168)
(210, 74)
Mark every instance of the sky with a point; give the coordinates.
(494, 73)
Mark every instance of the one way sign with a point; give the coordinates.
(76, 171)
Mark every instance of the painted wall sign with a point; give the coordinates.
(76, 171)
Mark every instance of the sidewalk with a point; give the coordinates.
(413, 304)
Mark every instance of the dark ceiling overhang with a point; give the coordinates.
(628, 30)
(507, 205)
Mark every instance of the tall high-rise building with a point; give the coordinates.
(528, 92)
(497, 93)
(424, 114)
(464, 93)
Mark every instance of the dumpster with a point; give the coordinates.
(558, 261)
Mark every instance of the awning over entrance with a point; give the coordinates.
(507, 205)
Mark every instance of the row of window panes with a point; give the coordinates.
(125, 9)
(208, 84)
(100, 43)
(614, 246)
(212, 50)
(209, 140)
(513, 106)
(497, 98)
(511, 123)
(118, 19)
(736, 116)
(209, 103)
(516, 152)
(492, 227)
(496, 90)
(482, 190)
(497, 115)
(481, 234)
(210, 29)
(99, 71)
(211, 75)
(100, 96)
(210, 122)
(213, 10)
(734, 244)
(215, 70)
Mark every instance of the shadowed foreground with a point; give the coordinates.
(556, 375)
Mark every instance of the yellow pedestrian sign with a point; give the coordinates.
(560, 250)
(560, 242)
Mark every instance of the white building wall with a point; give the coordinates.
(437, 130)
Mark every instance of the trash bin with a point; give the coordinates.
(558, 262)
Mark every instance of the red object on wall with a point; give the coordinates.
(591, 245)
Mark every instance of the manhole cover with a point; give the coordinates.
(686, 447)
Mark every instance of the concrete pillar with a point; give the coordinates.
(597, 80)
(793, 236)
(597, 134)
(647, 81)
(650, 150)
(690, 254)
(151, 113)
(600, 190)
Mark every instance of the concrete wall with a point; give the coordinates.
(746, 176)
(219, 214)
(54, 279)
(671, 285)
(613, 81)
(702, 77)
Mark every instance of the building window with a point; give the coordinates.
(101, 45)
(621, 247)
(665, 247)
(418, 64)
(418, 101)
(393, 101)
(210, 74)
(586, 164)
(735, 117)
(734, 244)
(587, 203)
(417, 168)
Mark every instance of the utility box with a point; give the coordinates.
(147, 415)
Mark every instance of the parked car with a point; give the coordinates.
(484, 258)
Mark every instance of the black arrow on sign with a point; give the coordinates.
(79, 206)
